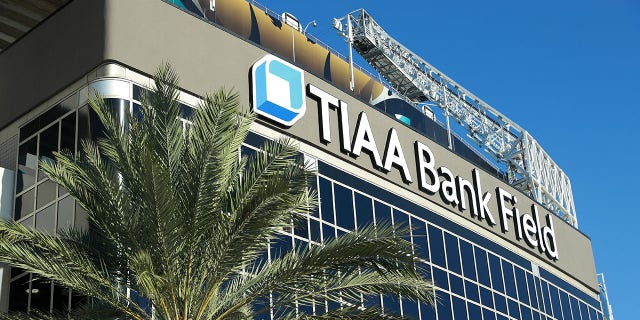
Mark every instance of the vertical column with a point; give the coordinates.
(6, 208)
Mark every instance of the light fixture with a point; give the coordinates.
(313, 23)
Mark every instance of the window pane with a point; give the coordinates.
(84, 126)
(41, 295)
(501, 302)
(514, 310)
(440, 278)
(584, 311)
(436, 244)
(400, 219)
(301, 228)
(471, 290)
(24, 204)
(410, 308)
(457, 286)
(19, 297)
(486, 298)
(575, 309)
(326, 201)
(27, 164)
(474, 311)
(566, 308)
(521, 280)
(46, 219)
(555, 301)
(468, 263)
(453, 254)
(364, 210)
(48, 144)
(496, 273)
(344, 207)
(444, 306)
(427, 311)
(314, 229)
(459, 308)
(68, 133)
(60, 298)
(532, 291)
(488, 314)
(383, 213)
(509, 280)
(65, 213)
(419, 237)
(526, 313)
(81, 220)
(46, 193)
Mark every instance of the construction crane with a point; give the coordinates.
(528, 167)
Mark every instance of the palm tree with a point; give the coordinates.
(177, 219)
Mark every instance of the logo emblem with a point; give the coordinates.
(278, 90)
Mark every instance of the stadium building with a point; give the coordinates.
(493, 250)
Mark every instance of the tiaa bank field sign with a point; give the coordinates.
(279, 95)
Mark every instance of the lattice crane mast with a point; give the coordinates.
(529, 167)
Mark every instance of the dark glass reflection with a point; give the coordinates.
(27, 164)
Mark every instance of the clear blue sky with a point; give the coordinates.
(566, 71)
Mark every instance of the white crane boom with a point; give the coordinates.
(529, 167)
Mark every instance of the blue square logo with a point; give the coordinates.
(278, 90)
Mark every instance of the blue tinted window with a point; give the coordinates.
(575, 309)
(444, 306)
(419, 235)
(364, 210)
(501, 302)
(440, 278)
(501, 317)
(555, 301)
(526, 313)
(400, 219)
(509, 280)
(427, 311)
(383, 213)
(468, 263)
(566, 308)
(488, 314)
(496, 273)
(471, 290)
(301, 228)
(537, 315)
(474, 311)
(532, 291)
(459, 308)
(436, 244)
(453, 254)
(391, 304)
(521, 280)
(513, 308)
(410, 308)
(546, 297)
(486, 298)
(328, 232)
(280, 246)
(457, 286)
(592, 314)
(314, 229)
(344, 207)
(326, 201)
(482, 266)
(584, 311)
